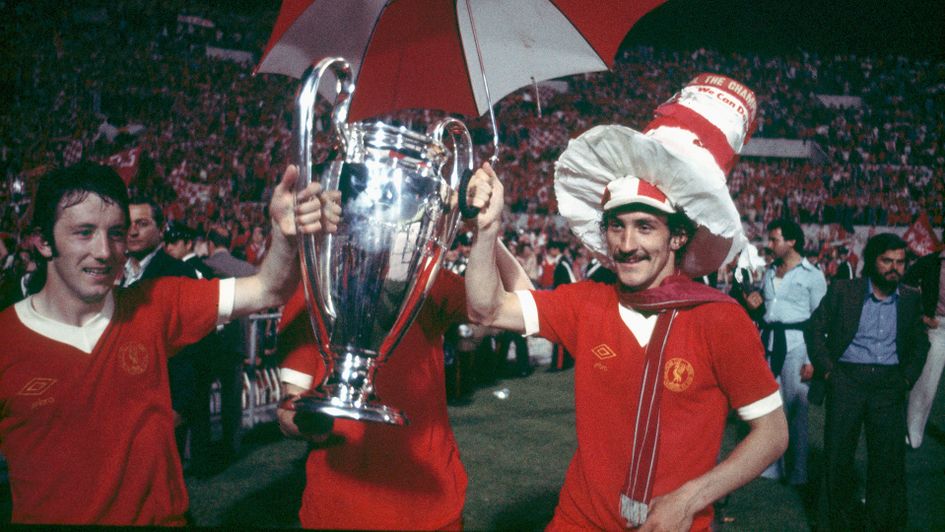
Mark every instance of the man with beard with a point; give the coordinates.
(659, 359)
(867, 341)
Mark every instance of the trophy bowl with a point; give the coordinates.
(365, 283)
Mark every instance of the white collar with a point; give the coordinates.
(82, 337)
(641, 326)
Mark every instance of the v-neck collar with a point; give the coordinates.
(84, 337)
(640, 326)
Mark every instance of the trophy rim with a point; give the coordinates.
(372, 411)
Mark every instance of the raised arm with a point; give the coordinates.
(511, 272)
(278, 276)
(487, 301)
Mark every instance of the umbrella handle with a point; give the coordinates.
(467, 210)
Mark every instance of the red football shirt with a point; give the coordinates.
(383, 476)
(713, 362)
(89, 437)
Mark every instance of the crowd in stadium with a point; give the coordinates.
(170, 91)
(214, 136)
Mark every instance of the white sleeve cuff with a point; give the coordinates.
(227, 299)
(529, 311)
(296, 378)
(760, 407)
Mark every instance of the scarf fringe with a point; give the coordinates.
(633, 511)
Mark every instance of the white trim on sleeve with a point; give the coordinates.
(760, 407)
(529, 311)
(227, 300)
(297, 378)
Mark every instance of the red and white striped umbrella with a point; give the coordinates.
(453, 55)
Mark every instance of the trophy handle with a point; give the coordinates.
(305, 110)
(304, 133)
(462, 148)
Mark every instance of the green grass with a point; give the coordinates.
(516, 451)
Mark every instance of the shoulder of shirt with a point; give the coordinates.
(589, 290)
(847, 285)
(807, 265)
(905, 289)
(721, 308)
(154, 283)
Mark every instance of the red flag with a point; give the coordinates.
(921, 238)
(126, 163)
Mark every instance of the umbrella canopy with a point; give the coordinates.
(457, 56)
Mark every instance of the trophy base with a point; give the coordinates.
(373, 412)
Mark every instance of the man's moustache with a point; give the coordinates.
(623, 257)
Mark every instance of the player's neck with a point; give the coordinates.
(63, 306)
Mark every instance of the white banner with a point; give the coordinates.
(230, 54)
(195, 21)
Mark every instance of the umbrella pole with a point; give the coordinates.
(537, 96)
(485, 83)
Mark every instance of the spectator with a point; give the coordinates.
(258, 244)
(926, 275)
(562, 274)
(844, 269)
(527, 258)
(179, 243)
(868, 342)
(226, 367)
(147, 259)
(791, 289)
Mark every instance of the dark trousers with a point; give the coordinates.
(505, 340)
(560, 358)
(228, 368)
(872, 397)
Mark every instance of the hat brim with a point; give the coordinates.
(650, 202)
(689, 177)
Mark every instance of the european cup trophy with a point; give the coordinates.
(365, 283)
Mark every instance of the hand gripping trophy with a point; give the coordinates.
(365, 283)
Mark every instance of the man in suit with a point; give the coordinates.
(926, 275)
(868, 342)
(147, 259)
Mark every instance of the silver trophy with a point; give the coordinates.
(365, 283)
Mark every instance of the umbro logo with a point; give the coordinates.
(603, 352)
(37, 386)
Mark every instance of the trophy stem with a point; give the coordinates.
(348, 392)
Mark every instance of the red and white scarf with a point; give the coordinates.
(674, 293)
